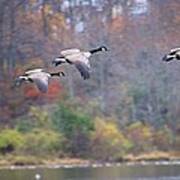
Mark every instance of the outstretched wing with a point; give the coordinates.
(33, 71)
(78, 57)
(69, 52)
(42, 85)
(82, 64)
(174, 51)
(83, 69)
(41, 80)
(79, 60)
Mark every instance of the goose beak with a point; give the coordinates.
(54, 62)
(164, 58)
(62, 73)
(15, 83)
(107, 49)
(167, 58)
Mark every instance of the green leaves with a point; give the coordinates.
(10, 140)
(42, 142)
(69, 121)
(75, 126)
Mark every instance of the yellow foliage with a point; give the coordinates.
(40, 117)
(107, 141)
(108, 130)
(141, 135)
(138, 128)
(41, 141)
(163, 138)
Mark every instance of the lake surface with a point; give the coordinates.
(120, 172)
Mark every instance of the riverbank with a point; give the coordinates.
(13, 162)
(154, 156)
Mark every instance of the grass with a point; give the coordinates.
(20, 160)
(153, 156)
(14, 160)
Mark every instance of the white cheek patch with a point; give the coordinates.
(60, 60)
(178, 53)
(170, 56)
(23, 78)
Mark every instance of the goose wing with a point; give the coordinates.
(82, 64)
(78, 57)
(83, 69)
(41, 80)
(33, 71)
(69, 52)
(175, 50)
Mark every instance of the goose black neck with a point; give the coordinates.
(55, 74)
(30, 80)
(178, 56)
(95, 50)
(58, 74)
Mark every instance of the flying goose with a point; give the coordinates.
(173, 55)
(37, 76)
(79, 58)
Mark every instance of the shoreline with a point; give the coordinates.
(90, 165)
(32, 162)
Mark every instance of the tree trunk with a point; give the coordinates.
(2, 7)
(11, 54)
(44, 19)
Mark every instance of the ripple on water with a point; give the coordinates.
(158, 178)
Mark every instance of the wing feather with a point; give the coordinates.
(33, 71)
(69, 52)
(83, 69)
(41, 80)
(174, 51)
(80, 60)
(78, 57)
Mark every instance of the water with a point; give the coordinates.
(122, 172)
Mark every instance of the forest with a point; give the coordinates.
(131, 103)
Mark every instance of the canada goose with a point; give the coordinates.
(37, 76)
(79, 58)
(173, 55)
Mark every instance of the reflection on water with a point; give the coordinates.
(123, 172)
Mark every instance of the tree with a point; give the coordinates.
(75, 126)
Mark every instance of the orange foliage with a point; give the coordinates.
(117, 24)
(30, 91)
(54, 90)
